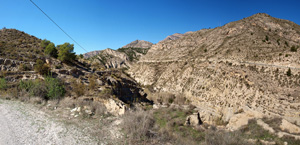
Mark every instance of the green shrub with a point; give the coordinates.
(50, 88)
(3, 83)
(286, 43)
(267, 38)
(55, 88)
(26, 85)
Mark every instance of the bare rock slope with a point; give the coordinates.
(122, 57)
(239, 68)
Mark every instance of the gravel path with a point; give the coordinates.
(25, 124)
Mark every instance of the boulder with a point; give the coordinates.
(193, 120)
(115, 107)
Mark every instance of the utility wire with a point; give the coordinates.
(57, 25)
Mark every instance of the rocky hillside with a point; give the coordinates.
(16, 65)
(20, 46)
(244, 69)
(120, 58)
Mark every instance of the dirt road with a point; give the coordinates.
(22, 123)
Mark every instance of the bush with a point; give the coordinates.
(41, 67)
(293, 48)
(267, 38)
(78, 87)
(55, 88)
(289, 72)
(3, 83)
(286, 43)
(50, 88)
(92, 84)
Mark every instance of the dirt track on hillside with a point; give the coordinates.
(25, 124)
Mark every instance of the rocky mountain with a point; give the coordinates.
(138, 44)
(176, 36)
(111, 58)
(91, 54)
(245, 69)
(122, 57)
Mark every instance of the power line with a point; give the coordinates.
(57, 25)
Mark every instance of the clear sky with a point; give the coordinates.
(100, 24)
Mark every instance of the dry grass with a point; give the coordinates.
(137, 127)
(219, 137)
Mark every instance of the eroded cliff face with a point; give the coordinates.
(239, 67)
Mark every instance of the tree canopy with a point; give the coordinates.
(45, 43)
(51, 50)
(65, 52)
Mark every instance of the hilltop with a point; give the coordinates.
(138, 44)
(19, 45)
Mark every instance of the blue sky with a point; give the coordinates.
(100, 24)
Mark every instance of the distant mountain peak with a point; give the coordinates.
(138, 44)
